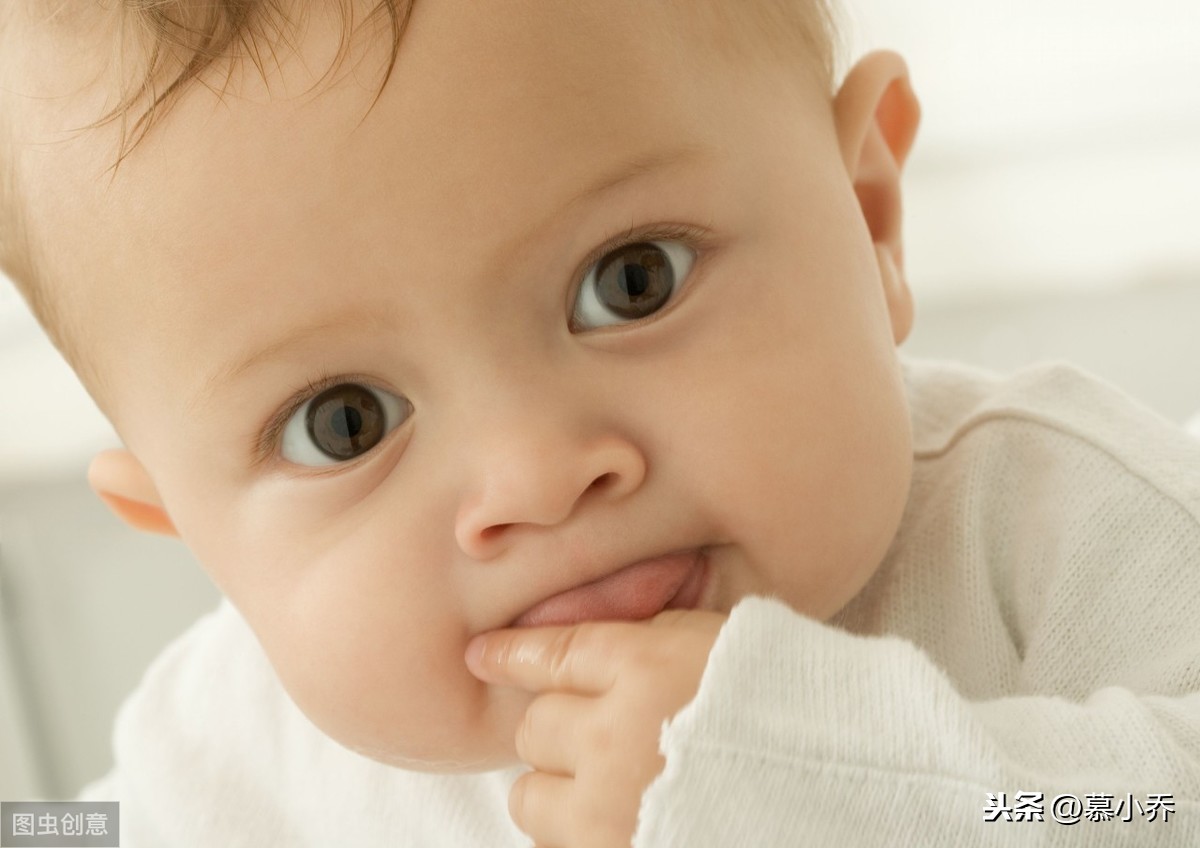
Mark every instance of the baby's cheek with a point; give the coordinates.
(402, 701)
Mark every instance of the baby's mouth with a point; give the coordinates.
(633, 593)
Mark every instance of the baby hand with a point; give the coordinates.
(591, 734)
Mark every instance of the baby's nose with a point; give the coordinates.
(540, 477)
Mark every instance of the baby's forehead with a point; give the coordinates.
(486, 99)
(239, 48)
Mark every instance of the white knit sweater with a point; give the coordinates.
(1033, 633)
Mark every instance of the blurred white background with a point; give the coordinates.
(1052, 212)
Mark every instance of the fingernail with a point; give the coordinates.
(475, 656)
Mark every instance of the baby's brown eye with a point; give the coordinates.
(631, 282)
(345, 421)
(634, 281)
(341, 423)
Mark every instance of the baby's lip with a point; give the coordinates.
(632, 593)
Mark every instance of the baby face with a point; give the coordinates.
(575, 294)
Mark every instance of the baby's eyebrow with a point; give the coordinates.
(626, 171)
(636, 167)
(378, 318)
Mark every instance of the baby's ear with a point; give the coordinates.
(877, 114)
(122, 483)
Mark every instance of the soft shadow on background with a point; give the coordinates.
(1051, 212)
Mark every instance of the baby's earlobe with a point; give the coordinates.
(896, 291)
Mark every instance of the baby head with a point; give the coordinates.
(579, 286)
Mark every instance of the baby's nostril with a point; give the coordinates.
(603, 480)
(488, 533)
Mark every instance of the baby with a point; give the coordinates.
(525, 376)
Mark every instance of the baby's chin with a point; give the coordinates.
(436, 759)
(460, 762)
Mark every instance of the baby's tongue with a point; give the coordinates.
(636, 592)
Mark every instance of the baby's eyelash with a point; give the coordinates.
(696, 237)
(268, 440)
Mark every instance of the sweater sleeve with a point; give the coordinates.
(805, 734)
